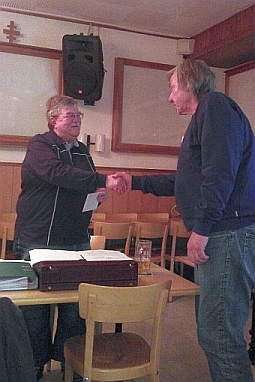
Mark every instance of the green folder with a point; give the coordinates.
(17, 275)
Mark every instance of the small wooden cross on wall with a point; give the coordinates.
(11, 33)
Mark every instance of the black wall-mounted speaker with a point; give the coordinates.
(83, 69)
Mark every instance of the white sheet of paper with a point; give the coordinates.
(91, 202)
(37, 255)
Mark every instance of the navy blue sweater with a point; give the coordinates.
(214, 184)
(55, 184)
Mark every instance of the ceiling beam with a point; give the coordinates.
(229, 43)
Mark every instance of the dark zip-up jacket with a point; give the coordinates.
(55, 181)
(214, 184)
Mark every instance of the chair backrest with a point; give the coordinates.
(126, 305)
(6, 233)
(115, 231)
(98, 217)
(122, 218)
(97, 242)
(177, 230)
(153, 217)
(154, 230)
(119, 304)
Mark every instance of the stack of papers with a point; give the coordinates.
(14, 283)
(38, 255)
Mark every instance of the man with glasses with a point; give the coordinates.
(57, 175)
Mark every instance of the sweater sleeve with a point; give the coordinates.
(159, 185)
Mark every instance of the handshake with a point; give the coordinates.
(120, 182)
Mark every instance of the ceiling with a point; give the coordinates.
(167, 17)
(170, 18)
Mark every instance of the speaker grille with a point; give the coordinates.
(81, 80)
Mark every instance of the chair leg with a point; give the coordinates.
(154, 377)
(181, 269)
(68, 372)
(52, 320)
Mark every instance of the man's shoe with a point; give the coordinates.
(39, 372)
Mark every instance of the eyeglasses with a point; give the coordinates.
(72, 115)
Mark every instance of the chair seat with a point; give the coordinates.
(133, 351)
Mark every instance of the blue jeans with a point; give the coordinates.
(226, 281)
(37, 317)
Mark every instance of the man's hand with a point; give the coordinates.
(126, 178)
(103, 195)
(116, 183)
(196, 248)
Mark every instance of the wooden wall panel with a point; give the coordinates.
(228, 43)
(10, 186)
(6, 177)
(135, 198)
(16, 186)
(134, 201)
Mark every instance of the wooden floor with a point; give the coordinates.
(182, 360)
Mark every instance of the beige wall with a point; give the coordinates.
(98, 119)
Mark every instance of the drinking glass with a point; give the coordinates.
(143, 256)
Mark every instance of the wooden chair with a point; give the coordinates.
(152, 231)
(127, 217)
(116, 231)
(97, 242)
(153, 217)
(178, 230)
(6, 234)
(117, 356)
(98, 217)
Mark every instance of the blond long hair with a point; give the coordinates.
(194, 75)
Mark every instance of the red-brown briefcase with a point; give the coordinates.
(68, 274)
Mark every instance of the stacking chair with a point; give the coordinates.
(6, 234)
(98, 217)
(7, 226)
(126, 217)
(117, 356)
(178, 230)
(153, 217)
(97, 242)
(117, 232)
(156, 231)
